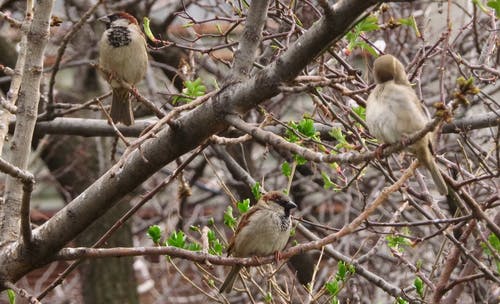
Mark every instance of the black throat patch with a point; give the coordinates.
(119, 36)
(285, 222)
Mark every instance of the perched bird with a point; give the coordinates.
(123, 56)
(263, 230)
(393, 112)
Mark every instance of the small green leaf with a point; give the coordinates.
(192, 89)
(332, 287)
(289, 134)
(194, 247)
(300, 160)
(12, 296)
(154, 232)
(147, 29)
(268, 298)
(419, 286)
(297, 20)
(286, 169)
(306, 127)
(494, 241)
(495, 4)
(177, 239)
(243, 206)
(257, 191)
(211, 221)
(397, 242)
(351, 269)
(360, 111)
(327, 182)
(400, 300)
(368, 24)
(194, 228)
(229, 219)
(216, 247)
(341, 271)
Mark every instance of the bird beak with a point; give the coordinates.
(105, 19)
(290, 205)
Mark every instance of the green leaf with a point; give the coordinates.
(341, 271)
(339, 136)
(216, 247)
(194, 247)
(211, 221)
(268, 298)
(194, 228)
(368, 24)
(12, 296)
(351, 269)
(495, 244)
(286, 169)
(494, 241)
(400, 300)
(306, 127)
(177, 239)
(495, 4)
(299, 160)
(243, 206)
(154, 232)
(419, 286)
(229, 219)
(289, 134)
(397, 242)
(257, 191)
(360, 111)
(147, 29)
(411, 22)
(327, 182)
(192, 89)
(332, 287)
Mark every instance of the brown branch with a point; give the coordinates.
(21, 292)
(15, 198)
(352, 157)
(76, 253)
(249, 41)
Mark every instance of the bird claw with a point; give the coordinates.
(379, 150)
(277, 256)
(405, 140)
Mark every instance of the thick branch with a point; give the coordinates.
(29, 94)
(250, 39)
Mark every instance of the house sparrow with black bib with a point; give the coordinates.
(122, 55)
(263, 230)
(393, 112)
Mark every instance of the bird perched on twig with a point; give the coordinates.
(263, 230)
(393, 112)
(123, 56)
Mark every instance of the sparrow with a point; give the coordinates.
(394, 112)
(122, 55)
(263, 230)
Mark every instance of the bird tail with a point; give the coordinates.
(426, 158)
(121, 109)
(227, 286)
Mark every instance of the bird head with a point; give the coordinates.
(118, 19)
(277, 201)
(387, 68)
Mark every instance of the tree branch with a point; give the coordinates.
(29, 95)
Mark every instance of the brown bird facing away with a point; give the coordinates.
(393, 112)
(263, 230)
(123, 56)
